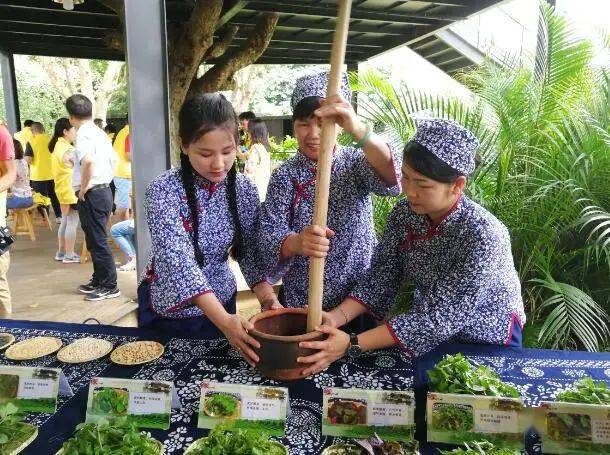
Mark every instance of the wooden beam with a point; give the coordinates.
(230, 13)
(326, 24)
(67, 51)
(87, 7)
(45, 29)
(313, 37)
(49, 40)
(296, 7)
(58, 17)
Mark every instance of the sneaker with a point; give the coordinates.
(131, 265)
(74, 259)
(59, 256)
(103, 294)
(58, 220)
(88, 288)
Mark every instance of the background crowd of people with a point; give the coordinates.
(48, 173)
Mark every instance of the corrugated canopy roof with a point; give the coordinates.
(304, 33)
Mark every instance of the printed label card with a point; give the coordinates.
(574, 428)
(33, 389)
(146, 403)
(358, 413)
(243, 407)
(455, 419)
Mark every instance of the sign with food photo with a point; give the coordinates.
(243, 407)
(358, 413)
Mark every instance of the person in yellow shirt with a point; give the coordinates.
(110, 130)
(25, 134)
(122, 175)
(62, 164)
(41, 176)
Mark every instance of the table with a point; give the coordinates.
(187, 362)
(538, 374)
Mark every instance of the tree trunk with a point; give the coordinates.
(106, 89)
(191, 44)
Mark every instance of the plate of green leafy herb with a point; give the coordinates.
(109, 438)
(15, 435)
(222, 405)
(220, 440)
(480, 448)
(586, 390)
(110, 400)
(456, 374)
(388, 448)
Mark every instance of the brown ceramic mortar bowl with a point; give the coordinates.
(279, 332)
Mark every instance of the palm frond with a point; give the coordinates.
(574, 318)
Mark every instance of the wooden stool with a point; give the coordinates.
(84, 252)
(23, 221)
(45, 218)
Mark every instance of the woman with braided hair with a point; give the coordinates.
(199, 215)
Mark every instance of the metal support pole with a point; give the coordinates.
(146, 55)
(9, 86)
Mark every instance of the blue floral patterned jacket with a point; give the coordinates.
(174, 275)
(466, 285)
(288, 208)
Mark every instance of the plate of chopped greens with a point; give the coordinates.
(223, 405)
(586, 391)
(223, 441)
(15, 435)
(388, 448)
(481, 448)
(456, 374)
(118, 436)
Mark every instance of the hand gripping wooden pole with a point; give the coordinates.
(327, 145)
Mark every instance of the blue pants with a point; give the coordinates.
(16, 202)
(124, 234)
(201, 326)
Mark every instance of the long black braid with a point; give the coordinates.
(198, 116)
(238, 239)
(188, 181)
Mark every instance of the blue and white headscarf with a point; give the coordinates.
(316, 85)
(449, 141)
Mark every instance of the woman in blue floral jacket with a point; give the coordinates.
(197, 216)
(455, 253)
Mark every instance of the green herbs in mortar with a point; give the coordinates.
(221, 441)
(588, 391)
(104, 438)
(222, 404)
(455, 374)
(111, 401)
(13, 432)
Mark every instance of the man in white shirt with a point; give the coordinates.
(94, 162)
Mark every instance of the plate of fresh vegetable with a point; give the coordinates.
(586, 391)
(221, 440)
(105, 438)
(222, 405)
(456, 374)
(388, 448)
(481, 448)
(15, 435)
